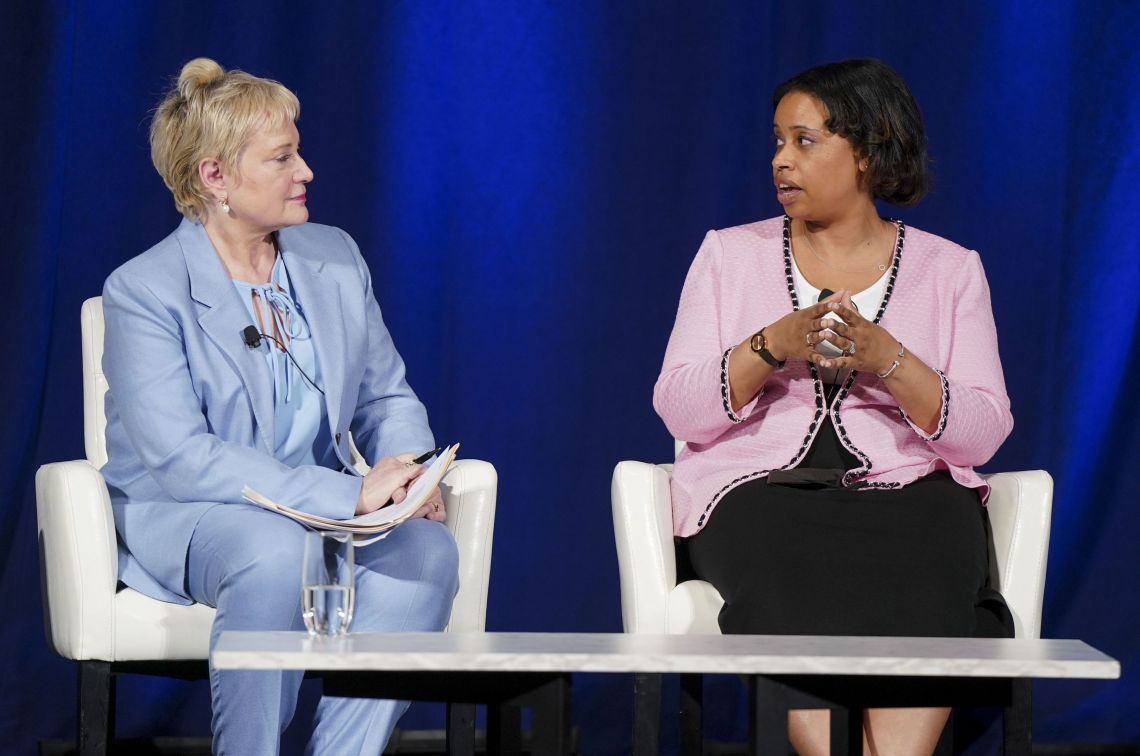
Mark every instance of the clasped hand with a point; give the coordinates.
(388, 482)
(865, 345)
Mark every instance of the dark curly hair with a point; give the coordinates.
(870, 106)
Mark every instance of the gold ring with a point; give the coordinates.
(807, 338)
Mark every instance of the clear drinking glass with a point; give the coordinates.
(328, 587)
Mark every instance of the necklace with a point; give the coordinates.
(811, 248)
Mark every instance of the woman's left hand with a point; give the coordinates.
(433, 508)
(869, 347)
(866, 345)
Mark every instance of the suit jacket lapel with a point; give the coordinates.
(222, 321)
(319, 297)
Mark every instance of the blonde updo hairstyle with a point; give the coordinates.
(211, 113)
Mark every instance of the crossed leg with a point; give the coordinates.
(246, 563)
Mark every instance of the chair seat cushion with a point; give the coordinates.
(147, 629)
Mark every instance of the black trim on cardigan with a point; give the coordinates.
(724, 398)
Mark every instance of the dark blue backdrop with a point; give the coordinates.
(529, 182)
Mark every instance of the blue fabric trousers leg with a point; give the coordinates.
(246, 562)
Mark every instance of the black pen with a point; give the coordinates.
(427, 455)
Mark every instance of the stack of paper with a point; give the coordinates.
(373, 523)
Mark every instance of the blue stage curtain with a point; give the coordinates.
(529, 182)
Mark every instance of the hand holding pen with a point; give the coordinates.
(386, 483)
(433, 508)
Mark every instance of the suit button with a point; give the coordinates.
(338, 438)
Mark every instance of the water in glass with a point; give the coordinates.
(327, 609)
(327, 584)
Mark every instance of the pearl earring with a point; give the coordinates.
(225, 205)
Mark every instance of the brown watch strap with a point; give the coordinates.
(759, 345)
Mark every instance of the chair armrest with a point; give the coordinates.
(94, 382)
(469, 489)
(693, 608)
(1020, 510)
(79, 567)
(643, 531)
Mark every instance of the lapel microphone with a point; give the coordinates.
(252, 339)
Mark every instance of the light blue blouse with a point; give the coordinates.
(299, 411)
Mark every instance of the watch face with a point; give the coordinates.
(759, 344)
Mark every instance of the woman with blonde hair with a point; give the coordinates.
(198, 407)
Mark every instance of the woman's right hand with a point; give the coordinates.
(388, 480)
(796, 334)
(793, 336)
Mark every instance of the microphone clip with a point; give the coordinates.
(251, 337)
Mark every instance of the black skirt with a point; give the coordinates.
(817, 559)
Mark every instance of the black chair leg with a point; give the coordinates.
(767, 717)
(646, 714)
(692, 714)
(96, 720)
(1017, 719)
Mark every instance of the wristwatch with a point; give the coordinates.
(759, 344)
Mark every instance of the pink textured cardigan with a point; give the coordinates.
(937, 304)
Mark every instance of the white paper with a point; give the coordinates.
(373, 523)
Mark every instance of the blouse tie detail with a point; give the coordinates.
(286, 324)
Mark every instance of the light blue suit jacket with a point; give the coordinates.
(190, 406)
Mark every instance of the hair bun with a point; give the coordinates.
(198, 74)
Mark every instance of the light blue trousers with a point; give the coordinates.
(247, 563)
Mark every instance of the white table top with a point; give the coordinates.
(619, 652)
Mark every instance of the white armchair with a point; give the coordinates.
(652, 601)
(1020, 507)
(111, 629)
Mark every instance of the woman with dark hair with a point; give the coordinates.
(835, 376)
